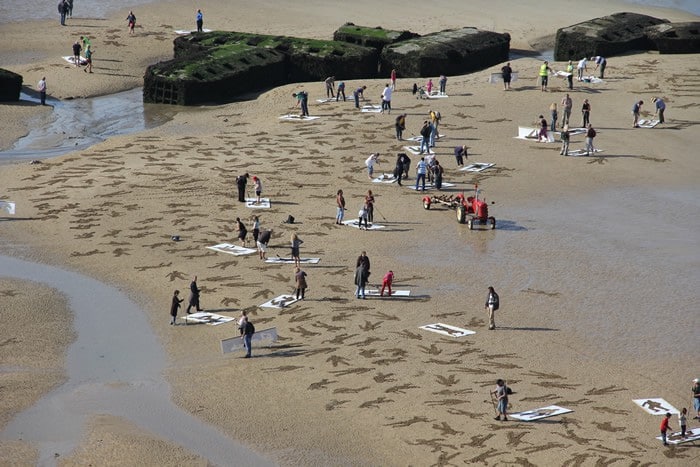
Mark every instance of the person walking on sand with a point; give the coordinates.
(565, 138)
(393, 79)
(42, 90)
(636, 110)
(501, 395)
(492, 304)
(246, 328)
(194, 296)
(361, 278)
(330, 84)
(421, 170)
(566, 104)
(406, 163)
(296, 242)
(570, 74)
(88, 59)
(387, 280)
(437, 174)
(76, 53)
(696, 397)
(341, 90)
(460, 154)
(131, 20)
(586, 113)
(664, 427)
(600, 62)
(660, 106)
(241, 182)
(544, 75)
(400, 126)
(242, 231)
(256, 229)
(590, 134)
(62, 10)
(554, 114)
(257, 186)
(340, 207)
(300, 283)
(507, 74)
(262, 242)
(581, 67)
(371, 160)
(174, 305)
(199, 18)
(542, 135)
(359, 92)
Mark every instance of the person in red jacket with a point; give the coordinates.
(386, 282)
(664, 428)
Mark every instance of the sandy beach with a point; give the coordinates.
(595, 258)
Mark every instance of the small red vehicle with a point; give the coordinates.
(471, 209)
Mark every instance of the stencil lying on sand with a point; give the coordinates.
(385, 178)
(394, 293)
(647, 123)
(204, 317)
(264, 203)
(234, 344)
(415, 150)
(591, 79)
(582, 152)
(429, 186)
(562, 74)
(356, 223)
(656, 406)
(533, 134)
(436, 95)
(183, 31)
(280, 302)
(279, 260)
(297, 118)
(498, 77)
(419, 138)
(675, 438)
(70, 60)
(327, 99)
(371, 108)
(538, 414)
(477, 167)
(231, 249)
(447, 330)
(9, 206)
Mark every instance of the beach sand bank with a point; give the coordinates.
(595, 258)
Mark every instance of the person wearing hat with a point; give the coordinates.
(660, 107)
(696, 397)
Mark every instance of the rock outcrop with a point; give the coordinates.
(10, 85)
(376, 37)
(449, 52)
(606, 36)
(675, 38)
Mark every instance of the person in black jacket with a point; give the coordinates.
(194, 296)
(492, 305)
(241, 182)
(175, 304)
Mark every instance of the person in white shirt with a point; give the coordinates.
(581, 67)
(42, 90)
(371, 160)
(386, 99)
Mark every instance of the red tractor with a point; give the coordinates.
(472, 210)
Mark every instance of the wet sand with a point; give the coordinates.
(594, 258)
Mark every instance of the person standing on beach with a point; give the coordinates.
(507, 74)
(544, 75)
(241, 182)
(369, 203)
(76, 53)
(369, 163)
(425, 141)
(361, 278)
(553, 112)
(400, 126)
(257, 186)
(660, 106)
(262, 242)
(664, 427)
(174, 305)
(492, 304)
(586, 112)
(542, 135)
(362, 217)
(636, 110)
(341, 90)
(421, 170)
(242, 231)
(393, 79)
(359, 92)
(566, 103)
(330, 84)
(590, 134)
(429, 86)
(300, 283)
(194, 296)
(501, 394)
(683, 421)
(570, 74)
(340, 210)
(363, 260)
(435, 118)
(85, 41)
(443, 84)
(131, 20)
(386, 99)
(42, 90)
(62, 10)
(247, 330)
(200, 21)
(696, 397)
(398, 169)
(460, 154)
(565, 138)
(580, 68)
(302, 98)
(256, 229)
(600, 62)
(88, 59)
(295, 244)
(69, 10)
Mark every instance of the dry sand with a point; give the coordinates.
(356, 382)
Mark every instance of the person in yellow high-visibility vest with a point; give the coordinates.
(544, 74)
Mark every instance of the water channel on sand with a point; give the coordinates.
(115, 367)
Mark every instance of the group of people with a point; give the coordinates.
(682, 415)
(65, 9)
(78, 47)
(177, 301)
